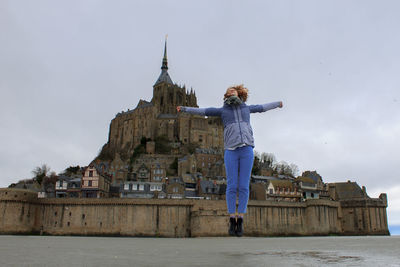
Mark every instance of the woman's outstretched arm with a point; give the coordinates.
(200, 111)
(265, 107)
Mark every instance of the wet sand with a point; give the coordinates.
(227, 251)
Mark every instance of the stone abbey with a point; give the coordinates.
(156, 125)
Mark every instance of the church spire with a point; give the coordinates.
(164, 76)
(165, 60)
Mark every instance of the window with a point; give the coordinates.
(141, 187)
(126, 186)
(90, 183)
(175, 189)
(130, 187)
(271, 191)
(90, 173)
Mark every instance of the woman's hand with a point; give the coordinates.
(178, 108)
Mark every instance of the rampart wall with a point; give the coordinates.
(23, 213)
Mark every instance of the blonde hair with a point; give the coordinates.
(240, 89)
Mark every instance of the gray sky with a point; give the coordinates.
(67, 67)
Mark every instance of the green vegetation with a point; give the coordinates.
(40, 173)
(163, 145)
(174, 166)
(268, 161)
(191, 148)
(71, 170)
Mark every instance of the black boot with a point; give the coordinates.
(232, 226)
(239, 227)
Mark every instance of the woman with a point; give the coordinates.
(238, 146)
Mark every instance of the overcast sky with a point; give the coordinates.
(67, 67)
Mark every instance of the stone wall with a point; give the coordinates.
(23, 213)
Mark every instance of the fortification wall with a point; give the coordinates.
(364, 217)
(18, 211)
(21, 212)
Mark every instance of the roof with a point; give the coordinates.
(64, 178)
(282, 183)
(313, 175)
(164, 77)
(261, 177)
(178, 180)
(189, 193)
(167, 116)
(210, 184)
(208, 151)
(305, 180)
(349, 190)
(143, 166)
(143, 103)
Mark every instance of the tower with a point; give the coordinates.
(167, 95)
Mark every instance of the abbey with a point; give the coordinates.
(156, 123)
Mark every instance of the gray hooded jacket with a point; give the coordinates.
(236, 121)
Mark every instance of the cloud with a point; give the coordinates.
(67, 68)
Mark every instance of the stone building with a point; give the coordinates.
(159, 117)
(142, 190)
(95, 183)
(175, 188)
(74, 187)
(283, 190)
(61, 186)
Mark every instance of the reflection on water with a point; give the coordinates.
(322, 257)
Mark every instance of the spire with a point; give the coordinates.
(165, 60)
(164, 76)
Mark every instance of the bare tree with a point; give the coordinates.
(294, 169)
(40, 172)
(268, 159)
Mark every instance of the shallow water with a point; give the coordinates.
(227, 251)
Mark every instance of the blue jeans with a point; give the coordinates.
(238, 165)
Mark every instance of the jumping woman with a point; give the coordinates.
(238, 148)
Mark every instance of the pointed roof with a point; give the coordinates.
(164, 76)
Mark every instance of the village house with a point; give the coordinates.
(282, 190)
(175, 188)
(206, 161)
(258, 191)
(95, 183)
(211, 190)
(47, 190)
(308, 187)
(61, 186)
(143, 174)
(74, 187)
(190, 181)
(137, 189)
